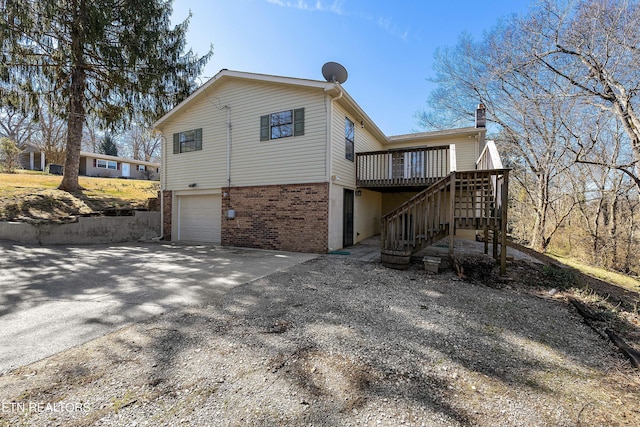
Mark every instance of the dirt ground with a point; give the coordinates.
(339, 342)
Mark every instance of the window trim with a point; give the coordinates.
(281, 124)
(296, 124)
(106, 164)
(349, 143)
(180, 144)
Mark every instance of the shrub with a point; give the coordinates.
(9, 155)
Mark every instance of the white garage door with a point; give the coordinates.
(200, 218)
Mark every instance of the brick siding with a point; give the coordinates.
(290, 217)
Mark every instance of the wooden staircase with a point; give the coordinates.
(471, 200)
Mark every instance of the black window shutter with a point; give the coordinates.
(199, 139)
(95, 163)
(264, 128)
(176, 143)
(298, 122)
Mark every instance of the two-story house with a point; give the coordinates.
(275, 162)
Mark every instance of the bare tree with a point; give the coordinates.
(531, 120)
(141, 142)
(50, 135)
(16, 125)
(594, 45)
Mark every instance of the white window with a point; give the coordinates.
(349, 137)
(106, 164)
(282, 124)
(141, 168)
(187, 141)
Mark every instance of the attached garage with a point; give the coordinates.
(199, 218)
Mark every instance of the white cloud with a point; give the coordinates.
(336, 7)
(387, 25)
(333, 7)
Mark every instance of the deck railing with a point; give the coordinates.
(415, 167)
(472, 200)
(489, 158)
(419, 220)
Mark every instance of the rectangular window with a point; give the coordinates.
(349, 136)
(184, 142)
(106, 164)
(282, 124)
(141, 168)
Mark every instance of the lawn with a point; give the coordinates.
(618, 279)
(33, 196)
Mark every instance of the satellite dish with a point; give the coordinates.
(334, 72)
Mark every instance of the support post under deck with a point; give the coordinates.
(503, 223)
(452, 211)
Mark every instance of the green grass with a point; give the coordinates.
(612, 277)
(20, 183)
(25, 195)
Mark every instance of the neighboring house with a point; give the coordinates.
(293, 164)
(32, 158)
(93, 164)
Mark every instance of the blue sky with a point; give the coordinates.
(387, 47)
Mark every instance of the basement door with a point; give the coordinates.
(347, 220)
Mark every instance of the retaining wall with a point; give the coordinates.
(139, 226)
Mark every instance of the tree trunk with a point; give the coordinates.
(538, 240)
(75, 121)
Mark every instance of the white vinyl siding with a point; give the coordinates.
(199, 218)
(466, 149)
(342, 168)
(298, 159)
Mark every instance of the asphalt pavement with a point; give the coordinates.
(56, 297)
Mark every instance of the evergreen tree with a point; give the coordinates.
(108, 146)
(108, 58)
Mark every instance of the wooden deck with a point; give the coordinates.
(416, 168)
(472, 200)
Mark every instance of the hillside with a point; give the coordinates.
(33, 197)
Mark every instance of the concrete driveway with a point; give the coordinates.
(56, 297)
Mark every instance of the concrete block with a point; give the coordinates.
(140, 226)
(431, 264)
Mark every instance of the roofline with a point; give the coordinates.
(369, 123)
(331, 88)
(468, 131)
(122, 159)
(224, 74)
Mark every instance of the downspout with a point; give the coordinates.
(329, 154)
(162, 181)
(228, 146)
(329, 121)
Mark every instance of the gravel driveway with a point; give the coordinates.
(337, 342)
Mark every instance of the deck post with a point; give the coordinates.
(486, 237)
(503, 222)
(452, 210)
